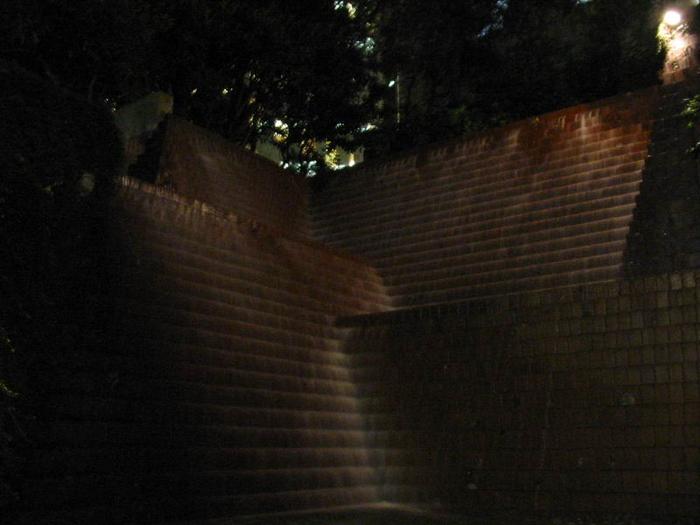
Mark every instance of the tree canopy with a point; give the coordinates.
(463, 66)
(308, 74)
(247, 69)
(59, 157)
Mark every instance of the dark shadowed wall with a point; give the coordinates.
(584, 399)
(225, 391)
(522, 373)
(665, 233)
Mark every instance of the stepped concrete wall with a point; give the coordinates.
(521, 372)
(583, 399)
(227, 392)
(201, 165)
(257, 371)
(537, 204)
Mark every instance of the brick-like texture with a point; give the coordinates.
(537, 204)
(257, 371)
(583, 399)
(665, 233)
(201, 165)
(228, 392)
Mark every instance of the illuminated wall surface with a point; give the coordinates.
(518, 381)
(540, 203)
(449, 327)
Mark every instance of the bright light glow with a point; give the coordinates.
(392, 83)
(224, 92)
(678, 44)
(340, 4)
(281, 131)
(672, 18)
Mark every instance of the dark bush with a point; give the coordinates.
(58, 159)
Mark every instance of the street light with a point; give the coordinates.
(672, 18)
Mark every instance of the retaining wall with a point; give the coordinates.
(583, 399)
(226, 390)
(523, 375)
(537, 204)
(201, 165)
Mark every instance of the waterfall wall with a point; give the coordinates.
(201, 165)
(257, 371)
(227, 391)
(536, 204)
(584, 399)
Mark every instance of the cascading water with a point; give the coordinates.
(257, 367)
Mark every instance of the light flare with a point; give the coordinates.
(672, 18)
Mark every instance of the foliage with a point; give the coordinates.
(237, 67)
(9, 427)
(58, 159)
(430, 52)
(96, 48)
(308, 76)
(551, 54)
(258, 66)
(467, 65)
(691, 112)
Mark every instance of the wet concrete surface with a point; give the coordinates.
(379, 515)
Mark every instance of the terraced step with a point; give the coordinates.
(164, 400)
(153, 354)
(124, 409)
(493, 171)
(92, 434)
(476, 217)
(506, 179)
(466, 220)
(170, 333)
(100, 490)
(221, 374)
(479, 265)
(176, 508)
(506, 246)
(58, 462)
(256, 285)
(540, 195)
(532, 283)
(204, 166)
(251, 329)
(236, 245)
(159, 285)
(248, 311)
(291, 270)
(227, 390)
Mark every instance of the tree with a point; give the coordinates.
(57, 164)
(430, 53)
(309, 75)
(457, 67)
(242, 68)
(552, 54)
(259, 69)
(95, 48)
